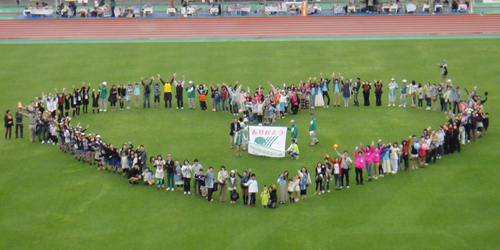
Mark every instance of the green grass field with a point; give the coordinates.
(50, 201)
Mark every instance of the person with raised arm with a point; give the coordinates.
(147, 91)
(167, 95)
(179, 87)
(345, 166)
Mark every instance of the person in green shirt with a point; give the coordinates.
(238, 140)
(294, 130)
(112, 4)
(312, 130)
(103, 93)
(402, 97)
(191, 91)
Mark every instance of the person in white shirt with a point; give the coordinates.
(186, 173)
(253, 189)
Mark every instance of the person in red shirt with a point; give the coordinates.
(405, 148)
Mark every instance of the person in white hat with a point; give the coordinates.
(403, 94)
(393, 86)
(444, 71)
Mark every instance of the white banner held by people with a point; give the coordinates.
(267, 141)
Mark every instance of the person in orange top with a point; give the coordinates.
(8, 124)
(203, 91)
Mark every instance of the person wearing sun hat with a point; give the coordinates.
(103, 90)
(392, 86)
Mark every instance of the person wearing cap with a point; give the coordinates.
(403, 94)
(190, 89)
(313, 125)
(147, 91)
(103, 90)
(444, 71)
(294, 130)
(392, 86)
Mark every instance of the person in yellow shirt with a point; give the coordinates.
(293, 150)
(167, 96)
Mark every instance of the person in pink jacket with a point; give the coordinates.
(368, 158)
(376, 159)
(359, 165)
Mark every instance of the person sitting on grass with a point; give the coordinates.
(147, 176)
(134, 175)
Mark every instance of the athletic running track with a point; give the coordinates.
(250, 27)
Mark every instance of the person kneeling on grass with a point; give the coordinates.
(134, 175)
(293, 150)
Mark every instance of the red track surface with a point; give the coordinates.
(250, 27)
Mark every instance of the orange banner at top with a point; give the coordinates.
(304, 8)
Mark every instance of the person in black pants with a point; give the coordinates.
(179, 87)
(378, 93)
(366, 93)
(325, 89)
(19, 122)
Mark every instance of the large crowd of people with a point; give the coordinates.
(49, 119)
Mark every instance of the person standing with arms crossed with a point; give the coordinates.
(312, 130)
(444, 71)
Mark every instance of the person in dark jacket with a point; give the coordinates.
(147, 91)
(366, 92)
(272, 196)
(8, 123)
(134, 175)
(378, 93)
(19, 123)
(244, 189)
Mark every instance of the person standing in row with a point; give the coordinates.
(359, 165)
(8, 123)
(355, 90)
(190, 89)
(366, 93)
(282, 180)
(196, 167)
(403, 94)
(147, 91)
(393, 86)
(209, 183)
(186, 175)
(137, 93)
(19, 122)
(313, 125)
(378, 92)
(253, 189)
(222, 181)
(169, 164)
(178, 90)
(244, 189)
(103, 90)
(324, 88)
(346, 162)
(346, 92)
(167, 96)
